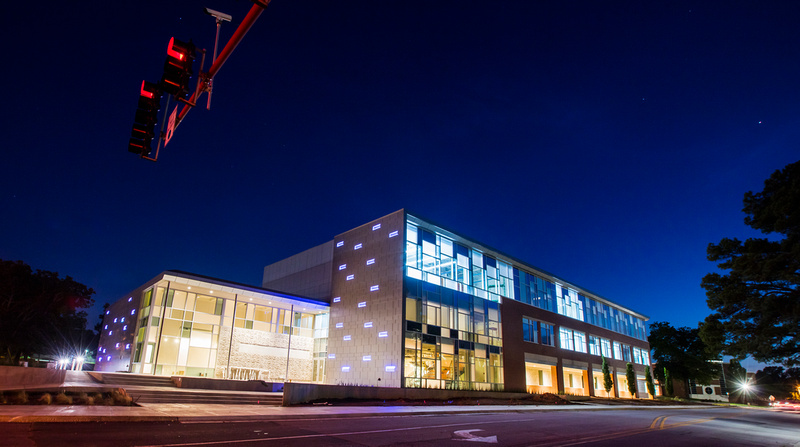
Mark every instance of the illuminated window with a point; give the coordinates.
(345, 369)
(340, 243)
(337, 299)
(368, 324)
(370, 261)
(390, 368)
(362, 304)
(366, 358)
(346, 338)
(374, 288)
(393, 234)
(383, 334)
(357, 247)
(376, 226)
(343, 266)
(350, 277)
(339, 325)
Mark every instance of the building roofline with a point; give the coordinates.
(232, 284)
(519, 261)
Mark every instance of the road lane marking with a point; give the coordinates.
(323, 435)
(466, 435)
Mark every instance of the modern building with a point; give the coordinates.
(397, 302)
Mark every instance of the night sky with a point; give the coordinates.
(605, 142)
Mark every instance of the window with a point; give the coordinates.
(637, 355)
(565, 339)
(626, 353)
(529, 330)
(580, 341)
(617, 351)
(547, 336)
(605, 348)
(594, 345)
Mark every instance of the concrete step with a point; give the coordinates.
(136, 379)
(192, 397)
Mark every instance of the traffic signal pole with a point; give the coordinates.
(255, 11)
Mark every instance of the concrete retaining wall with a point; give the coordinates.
(202, 383)
(18, 377)
(298, 393)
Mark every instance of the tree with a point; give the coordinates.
(648, 378)
(756, 304)
(630, 376)
(39, 313)
(682, 352)
(668, 387)
(607, 382)
(779, 382)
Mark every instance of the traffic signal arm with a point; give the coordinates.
(255, 11)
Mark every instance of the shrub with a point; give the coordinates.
(121, 397)
(19, 398)
(63, 399)
(46, 399)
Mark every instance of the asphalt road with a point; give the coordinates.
(641, 427)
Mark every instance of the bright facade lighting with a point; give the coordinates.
(383, 334)
(357, 246)
(366, 358)
(393, 234)
(337, 299)
(368, 324)
(374, 288)
(390, 368)
(339, 244)
(362, 304)
(370, 261)
(350, 277)
(376, 227)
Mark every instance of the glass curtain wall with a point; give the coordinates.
(188, 327)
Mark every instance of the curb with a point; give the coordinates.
(250, 417)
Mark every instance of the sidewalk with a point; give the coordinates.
(230, 413)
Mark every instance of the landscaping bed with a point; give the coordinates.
(117, 397)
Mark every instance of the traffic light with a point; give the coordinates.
(178, 68)
(144, 122)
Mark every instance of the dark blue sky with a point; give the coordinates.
(605, 142)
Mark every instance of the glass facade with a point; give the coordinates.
(180, 332)
(452, 339)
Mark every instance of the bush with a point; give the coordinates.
(19, 398)
(121, 397)
(63, 399)
(46, 399)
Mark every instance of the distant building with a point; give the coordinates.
(397, 302)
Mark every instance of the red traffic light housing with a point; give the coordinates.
(144, 121)
(178, 68)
